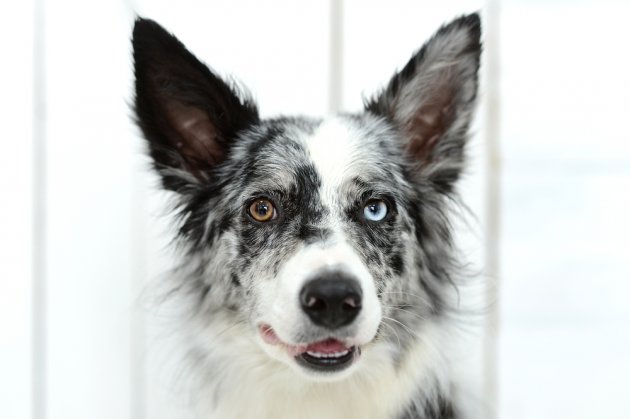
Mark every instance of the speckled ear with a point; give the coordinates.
(189, 115)
(431, 100)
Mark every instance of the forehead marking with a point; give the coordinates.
(333, 150)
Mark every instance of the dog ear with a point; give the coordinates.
(432, 98)
(189, 115)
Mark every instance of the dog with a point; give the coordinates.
(317, 256)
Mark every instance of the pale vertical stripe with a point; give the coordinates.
(492, 222)
(335, 77)
(139, 269)
(16, 209)
(140, 275)
(39, 214)
(138, 370)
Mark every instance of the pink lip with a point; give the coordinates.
(268, 335)
(327, 346)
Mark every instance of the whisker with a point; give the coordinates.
(407, 329)
(233, 325)
(395, 333)
(408, 311)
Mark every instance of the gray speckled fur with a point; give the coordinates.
(410, 255)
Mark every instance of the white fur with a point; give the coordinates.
(280, 298)
(334, 150)
(249, 384)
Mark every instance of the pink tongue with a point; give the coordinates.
(328, 346)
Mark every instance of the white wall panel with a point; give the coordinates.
(565, 86)
(566, 79)
(89, 210)
(565, 340)
(16, 209)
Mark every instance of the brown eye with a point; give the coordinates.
(262, 210)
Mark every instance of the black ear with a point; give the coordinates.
(432, 98)
(189, 115)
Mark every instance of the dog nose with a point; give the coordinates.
(331, 301)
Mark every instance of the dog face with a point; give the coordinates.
(324, 238)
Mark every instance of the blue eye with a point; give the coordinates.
(375, 210)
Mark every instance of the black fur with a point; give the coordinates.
(440, 409)
(173, 87)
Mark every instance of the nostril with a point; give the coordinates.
(315, 304)
(351, 303)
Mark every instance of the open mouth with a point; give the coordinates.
(329, 355)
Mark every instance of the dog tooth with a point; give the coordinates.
(315, 354)
(328, 355)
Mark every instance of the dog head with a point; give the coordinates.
(324, 237)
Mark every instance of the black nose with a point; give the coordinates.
(331, 301)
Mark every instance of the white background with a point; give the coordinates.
(81, 225)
